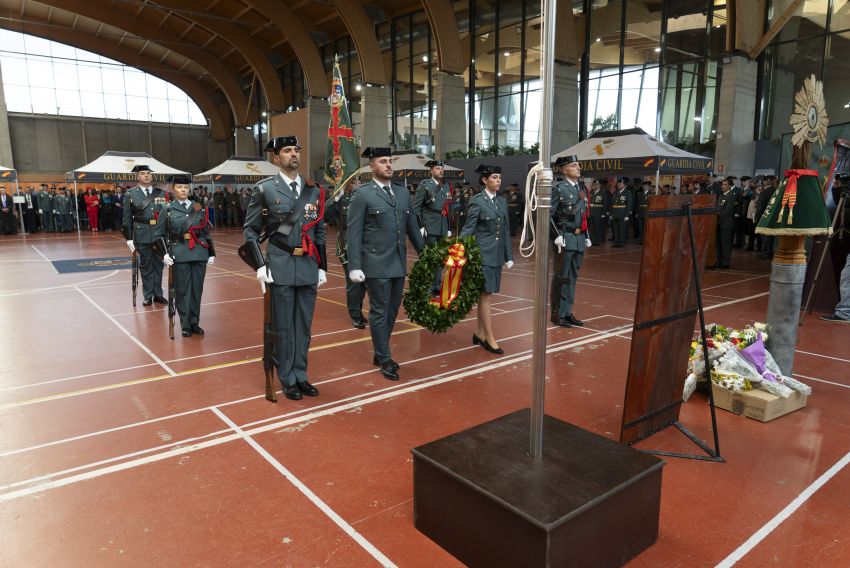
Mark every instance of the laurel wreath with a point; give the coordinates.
(417, 299)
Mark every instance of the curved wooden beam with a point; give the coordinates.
(362, 32)
(441, 17)
(243, 42)
(219, 129)
(295, 31)
(101, 12)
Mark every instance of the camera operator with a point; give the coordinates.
(841, 187)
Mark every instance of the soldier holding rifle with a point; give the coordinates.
(287, 210)
(141, 210)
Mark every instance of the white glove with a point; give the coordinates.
(449, 234)
(40, 211)
(211, 260)
(509, 264)
(559, 242)
(323, 278)
(625, 219)
(423, 231)
(265, 277)
(357, 276)
(587, 243)
(131, 246)
(168, 260)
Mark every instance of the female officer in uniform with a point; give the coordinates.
(184, 228)
(487, 220)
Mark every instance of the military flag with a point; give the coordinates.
(341, 161)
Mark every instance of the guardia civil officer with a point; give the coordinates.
(62, 205)
(289, 208)
(142, 206)
(354, 291)
(726, 208)
(431, 206)
(569, 220)
(488, 222)
(600, 205)
(45, 208)
(622, 202)
(379, 217)
(642, 205)
(183, 229)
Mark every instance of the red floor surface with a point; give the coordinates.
(123, 448)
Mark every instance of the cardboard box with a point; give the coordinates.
(757, 404)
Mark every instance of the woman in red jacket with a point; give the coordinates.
(92, 208)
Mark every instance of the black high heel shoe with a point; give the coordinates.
(486, 345)
(476, 340)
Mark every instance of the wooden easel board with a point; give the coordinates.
(665, 312)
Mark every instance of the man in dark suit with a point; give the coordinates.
(141, 211)
(761, 205)
(432, 213)
(379, 216)
(600, 204)
(622, 203)
(354, 291)
(7, 213)
(289, 208)
(726, 207)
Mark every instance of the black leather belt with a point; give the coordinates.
(277, 240)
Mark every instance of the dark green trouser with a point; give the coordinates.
(293, 318)
(384, 302)
(567, 265)
(189, 285)
(619, 230)
(150, 267)
(354, 293)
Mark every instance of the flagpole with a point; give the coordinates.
(541, 259)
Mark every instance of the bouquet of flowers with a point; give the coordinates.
(739, 362)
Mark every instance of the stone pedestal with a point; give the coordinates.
(735, 147)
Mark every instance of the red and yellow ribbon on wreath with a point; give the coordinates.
(451, 278)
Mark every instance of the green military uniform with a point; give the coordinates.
(232, 209)
(186, 233)
(726, 207)
(377, 224)
(515, 209)
(46, 206)
(642, 204)
(600, 205)
(142, 207)
(622, 202)
(62, 205)
(218, 200)
(569, 207)
(354, 291)
(294, 271)
(488, 222)
(431, 209)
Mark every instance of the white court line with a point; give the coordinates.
(821, 381)
(47, 260)
(133, 338)
(736, 282)
(29, 291)
(157, 310)
(782, 515)
(824, 356)
(315, 499)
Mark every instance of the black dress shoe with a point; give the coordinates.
(160, 300)
(564, 322)
(292, 393)
(392, 363)
(198, 330)
(358, 323)
(389, 371)
(575, 321)
(307, 389)
(497, 350)
(185, 333)
(147, 302)
(476, 340)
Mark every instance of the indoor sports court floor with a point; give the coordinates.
(123, 448)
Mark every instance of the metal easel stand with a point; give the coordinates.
(712, 454)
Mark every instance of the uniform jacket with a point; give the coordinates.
(488, 222)
(63, 204)
(278, 198)
(566, 213)
(45, 201)
(764, 199)
(600, 203)
(342, 235)
(726, 209)
(621, 204)
(376, 230)
(643, 204)
(428, 204)
(173, 225)
(139, 224)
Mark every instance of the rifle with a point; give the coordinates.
(172, 302)
(270, 334)
(134, 278)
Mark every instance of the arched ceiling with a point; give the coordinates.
(232, 51)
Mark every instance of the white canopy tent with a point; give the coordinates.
(8, 175)
(238, 170)
(115, 167)
(633, 152)
(410, 165)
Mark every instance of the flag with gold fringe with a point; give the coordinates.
(341, 160)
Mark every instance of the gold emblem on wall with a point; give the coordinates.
(809, 119)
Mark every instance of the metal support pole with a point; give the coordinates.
(541, 258)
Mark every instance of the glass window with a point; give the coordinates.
(809, 18)
(137, 108)
(113, 80)
(17, 98)
(40, 73)
(158, 109)
(65, 76)
(14, 70)
(68, 102)
(36, 45)
(43, 100)
(840, 15)
(92, 104)
(134, 83)
(115, 106)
